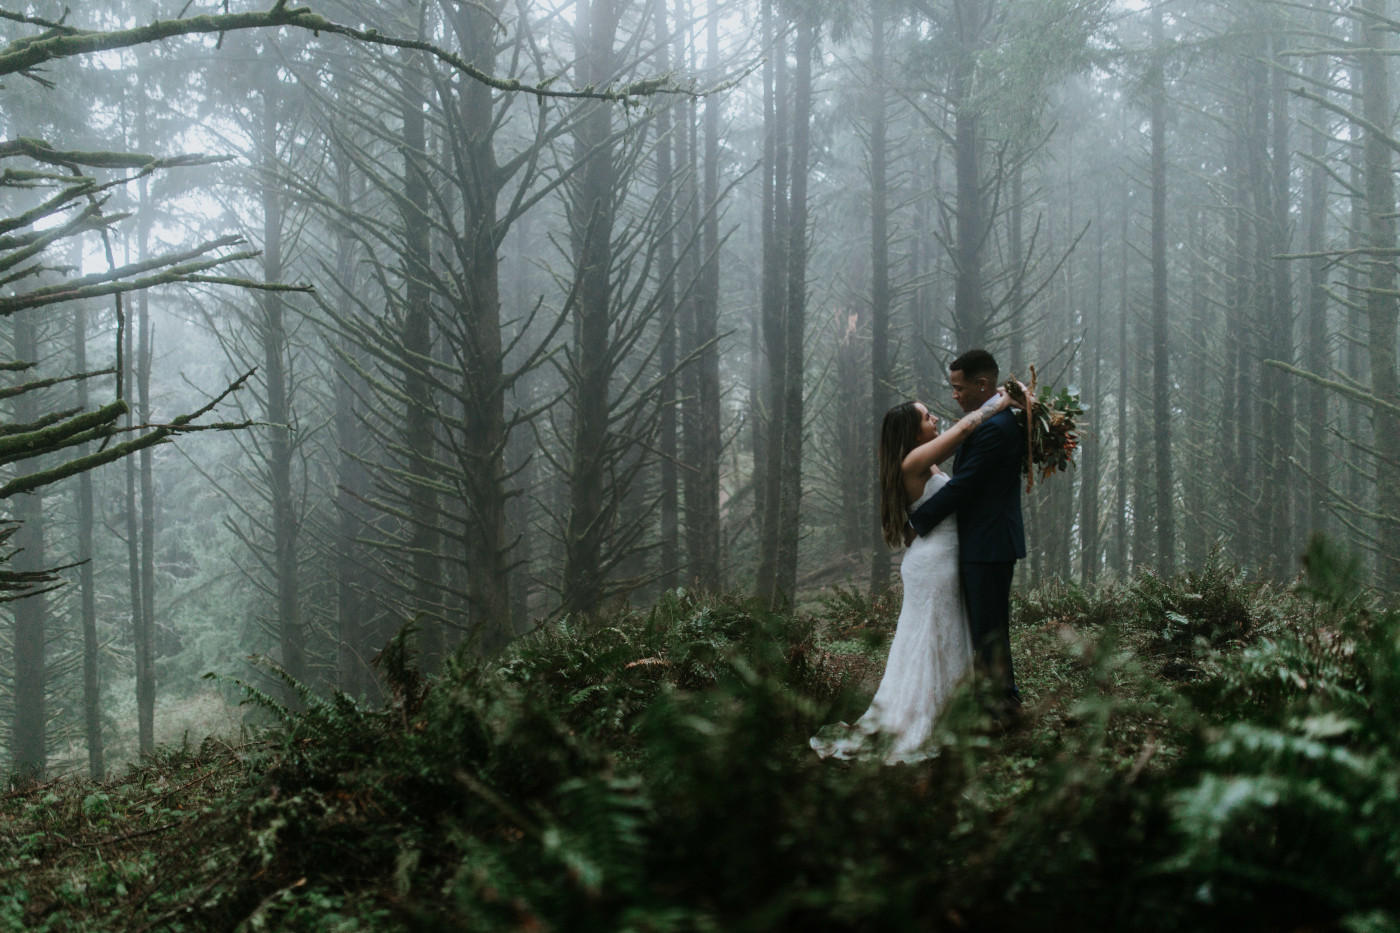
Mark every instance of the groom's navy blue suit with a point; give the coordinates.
(985, 492)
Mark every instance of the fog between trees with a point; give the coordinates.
(542, 354)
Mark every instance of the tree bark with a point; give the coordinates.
(668, 437)
(702, 508)
(593, 209)
(483, 383)
(1237, 438)
(970, 323)
(1196, 489)
(1092, 453)
(87, 590)
(419, 436)
(775, 223)
(1276, 386)
(881, 398)
(142, 620)
(1317, 356)
(28, 746)
(277, 411)
(795, 317)
(1161, 377)
(1120, 509)
(353, 641)
(1381, 299)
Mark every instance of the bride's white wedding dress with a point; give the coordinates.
(930, 654)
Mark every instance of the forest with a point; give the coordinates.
(438, 457)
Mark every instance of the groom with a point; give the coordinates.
(985, 493)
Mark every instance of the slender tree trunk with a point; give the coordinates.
(689, 269)
(146, 355)
(1194, 482)
(353, 645)
(87, 590)
(521, 458)
(1161, 377)
(424, 538)
(969, 302)
(28, 747)
(1237, 435)
(702, 512)
(928, 380)
(1317, 357)
(667, 437)
(1359, 480)
(796, 310)
(881, 397)
(1092, 452)
(775, 223)
(1381, 296)
(143, 621)
(277, 413)
(593, 210)
(1016, 235)
(1277, 387)
(1120, 509)
(483, 383)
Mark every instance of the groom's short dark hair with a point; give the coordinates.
(975, 364)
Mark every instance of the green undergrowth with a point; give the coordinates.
(1200, 752)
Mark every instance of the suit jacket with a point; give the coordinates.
(985, 492)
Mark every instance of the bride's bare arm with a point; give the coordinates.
(931, 453)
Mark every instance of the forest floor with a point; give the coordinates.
(1203, 752)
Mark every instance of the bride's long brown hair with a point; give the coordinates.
(898, 434)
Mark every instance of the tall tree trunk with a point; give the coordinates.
(1120, 508)
(424, 537)
(277, 413)
(795, 316)
(1016, 236)
(28, 748)
(521, 459)
(353, 645)
(1091, 468)
(87, 589)
(880, 395)
(484, 386)
(1237, 436)
(667, 436)
(1359, 480)
(1161, 377)
(1276, 386)
(1381, 299)
(142, 620)
(1317, 357)
(689, 273)
(924, 297)
(1194, 481)
(702, 510)
(969, 302)
(775, 224)
(593, 211)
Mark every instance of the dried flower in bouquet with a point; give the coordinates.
(1051, 421)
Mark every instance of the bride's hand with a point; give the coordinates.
(1013, 403)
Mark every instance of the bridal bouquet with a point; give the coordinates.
(1052, 429)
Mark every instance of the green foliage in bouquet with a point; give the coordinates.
(1052, 428)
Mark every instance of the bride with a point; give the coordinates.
(932, 649)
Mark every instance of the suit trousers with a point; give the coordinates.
(987, 596)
